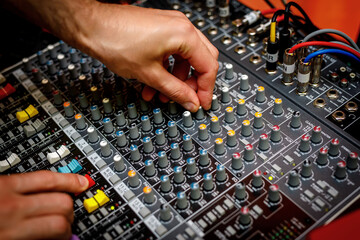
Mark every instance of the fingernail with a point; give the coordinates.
(83, 181)
(190, 106)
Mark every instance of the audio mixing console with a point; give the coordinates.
(268, 161)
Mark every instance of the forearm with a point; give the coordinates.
(65, 19)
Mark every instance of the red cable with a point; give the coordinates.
(326, 44)
(269, 11)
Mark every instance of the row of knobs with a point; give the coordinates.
(49, 61)
(240, 105)
(178, 178)
(340, 172)
(257, 183)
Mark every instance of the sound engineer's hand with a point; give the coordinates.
(136, 42)
(34, 205)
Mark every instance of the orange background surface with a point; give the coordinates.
(343, 15)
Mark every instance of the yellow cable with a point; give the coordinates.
(273, 32)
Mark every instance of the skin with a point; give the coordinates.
(35, 204)
(132, 42)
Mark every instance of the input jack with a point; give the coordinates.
(200, 22)
(319, 103)
(255, 59)
(175, 6)
(338, 116)
(226, 40)
(188, 13)
(212, 31)
(240, 49)
(351, 106)
(332, 94)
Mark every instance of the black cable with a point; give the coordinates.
(287, 11)
(276, 14)
(269, 3)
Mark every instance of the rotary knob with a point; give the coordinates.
(178, 175)
(240, 191)
(244, 84)
(215, 103)
(352, 161)
(246, 128)
(294, 179)
(145, 123)
(208, 182)
(147, 145)
(95, 113)
(274, 194)
(134, 153)
(160, 137)
(149, 168)
(322, 158)
(163, 161)
(221, 175)
(236, 161)
(306, 170)
(340, 170)
(249, 155)
(133, 179)
(277, 110)
(195, 193)
(260, 95)
(165, 185)
(165, 212)
(334, 147)
(191, 168)
(120, 119)
(105, 148)
(241, 107)
(229, 115)
(305, 143)
(275, 135)
(149, 196)
(119, 165)
(175, 153)
(264, 142)
(203, 158)
(258, 120)
(121, 140)
(245, 219)
(187, 119)
(215, 125)
(172, 129)
(203, 132)
(187, 143)
(200, 114)
(257, 181)
(316, 135)
(231, 138)
(295, 120)
(132, 112)
(181, 200)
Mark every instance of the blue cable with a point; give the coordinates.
(330, 50)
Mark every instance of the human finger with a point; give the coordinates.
(205, 64)
(41, 181)
(49, 204)
(191, 82)
(173, 87)
(148, 93)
